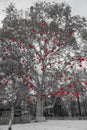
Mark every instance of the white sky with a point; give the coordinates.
(78, 6)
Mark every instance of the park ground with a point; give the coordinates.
(51, 125)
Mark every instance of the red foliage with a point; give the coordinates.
(43, 23)
(69, 78)
(31, 86)
(70, 86)
(75, 84)
(66, 42)
(71, 67)
(42, 68)
(26, 76)
(5, 50)
(40, 58)
(41, 94)
(62, 93)
(67, 92)
(54, 40)
(30, 78)
(13, 40)
(58, 44)
(3, 58)
(47, 32)
(41, 34)
(55, 34)
(30, 47)
(45, 55)
(76, 95)
(51, 94)
(57, 92)
(22, 42)
(80, 59)
(70, 34)
(80, 65)
(85, 83)
(6, 82)
(58, 62)
(0, 83)
(45, 40)
(33, 30)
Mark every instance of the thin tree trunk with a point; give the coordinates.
(79, 108)
(11, 118)
(84, 108)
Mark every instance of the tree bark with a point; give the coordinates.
(79, 108)
(84, 108)
(11, 118)
(39, 108)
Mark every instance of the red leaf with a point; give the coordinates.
(22, 42)
(41, 34)
(26, 76)
(43, 23)
(37, 53)
(54, 40)
(31, 86)
(33, 30)
(85, 83)
(61, 88)
(30, 78)
(46, 49)
(45, 55)
(70, 34)
(80, 65)
(43, 68)
(40, 59)
(57, 92)
(76, 95)
(71, 99)
(66, 42)
(71, 67)
(69, 78)
(45, 40)
(3, 58)
(62, 93)
(30, 47)
(67, 92)
(59, 62)
(47, 32)
(51, 94)
(80, 59)
(70, 86)
(0, 83)
(5, 50)
(41, 94)
(75, 85)
(13, 40)
(7, 81)
(55, 34)
(58, 44)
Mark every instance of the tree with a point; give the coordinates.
(50, 51)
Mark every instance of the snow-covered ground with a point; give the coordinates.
(51, 125)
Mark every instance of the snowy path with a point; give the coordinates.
(51, 125)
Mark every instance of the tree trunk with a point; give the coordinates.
(84, 108)
(39, 110)
(79, 108)
(11, 118)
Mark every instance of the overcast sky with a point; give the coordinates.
(78, 6)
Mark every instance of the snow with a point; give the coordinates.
(50, 125)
